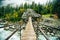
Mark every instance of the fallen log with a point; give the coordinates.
(43, 34)
(11, 34)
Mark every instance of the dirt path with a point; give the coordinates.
(29, 33)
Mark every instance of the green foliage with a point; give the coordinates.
(56, 7)
(14, 14)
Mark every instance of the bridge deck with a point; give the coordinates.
(29, 33)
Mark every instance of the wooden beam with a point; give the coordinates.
(43, 34)
(11, 34)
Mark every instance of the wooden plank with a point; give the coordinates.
(29, 33)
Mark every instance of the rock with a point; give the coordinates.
(48, 33)
(12, 26)
(58, 27)
(6, 28)
(58, 38)
(28, 13)
(52, 34)
(43, 28)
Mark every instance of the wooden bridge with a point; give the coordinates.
(29, 33)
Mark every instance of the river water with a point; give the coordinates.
(5, 33)
(41, 37)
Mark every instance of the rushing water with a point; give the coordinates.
(41, 37)
(5, 33)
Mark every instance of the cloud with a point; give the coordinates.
(19, 2)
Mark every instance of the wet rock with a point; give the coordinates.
(12, 26)
(52, 34)
(48, 33)
(6, 28)
(58, 38)
(43, 28)
(58, 27)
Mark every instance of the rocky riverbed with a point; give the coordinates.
(50, 27)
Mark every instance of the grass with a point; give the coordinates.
(47, 15)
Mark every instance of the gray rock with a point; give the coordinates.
(31, 13)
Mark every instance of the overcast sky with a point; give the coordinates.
(18, 2)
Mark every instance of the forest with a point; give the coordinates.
(14, 13)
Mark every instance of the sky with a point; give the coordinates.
(19, 2)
